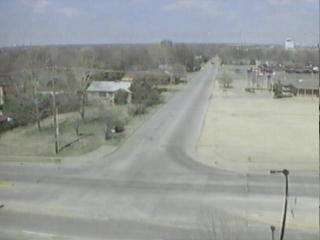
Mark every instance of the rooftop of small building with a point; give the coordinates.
(108, 86)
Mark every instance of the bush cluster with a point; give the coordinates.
(145, 93)
(137, 109)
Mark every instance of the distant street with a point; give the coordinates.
(150, 188)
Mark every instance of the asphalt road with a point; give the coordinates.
(151, 188)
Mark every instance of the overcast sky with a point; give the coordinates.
(142, 21)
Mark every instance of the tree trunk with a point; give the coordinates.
(77, 127)
(82, 103)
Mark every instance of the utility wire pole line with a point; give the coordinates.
(55, 118)
(36, 100)
(36, 103)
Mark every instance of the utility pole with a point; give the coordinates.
(55, 118)
(35, 98)
(285, 172)
(36, 104)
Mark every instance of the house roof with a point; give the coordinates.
(108, 86)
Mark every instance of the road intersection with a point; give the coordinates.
(150, 188)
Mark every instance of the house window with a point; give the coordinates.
(102, 94)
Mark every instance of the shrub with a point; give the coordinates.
(152, 98)
(21, 108)
(225, 80)
(67, 103)
(115, 120)
(119, 126)
(144, 93)
(121, 97)
(7, 125)
(161, 90)
(137, 109)
(277, 89)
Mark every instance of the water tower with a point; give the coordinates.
(289, 44)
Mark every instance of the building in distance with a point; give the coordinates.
(289, 44)
(166, 43)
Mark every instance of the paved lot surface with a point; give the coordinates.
(151, 188)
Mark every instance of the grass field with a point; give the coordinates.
(28, 144)
(29, 141)
(255, 132)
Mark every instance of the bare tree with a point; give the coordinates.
(225, 80)
(86, 81)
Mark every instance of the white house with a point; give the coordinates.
(107, 90)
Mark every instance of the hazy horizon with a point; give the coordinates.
(247, 22)
(146, 43)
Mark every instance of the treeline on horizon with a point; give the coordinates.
(128, 57)
(113, 57)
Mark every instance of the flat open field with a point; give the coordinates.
(253, 132)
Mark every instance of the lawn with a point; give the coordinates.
(29, 144)
(29, 141)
